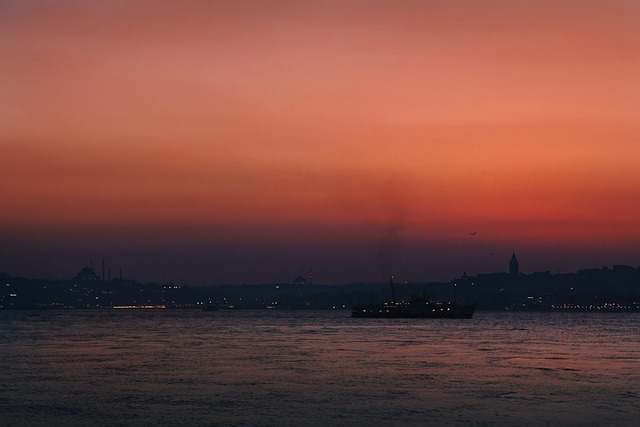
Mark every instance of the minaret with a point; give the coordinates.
(513, 265)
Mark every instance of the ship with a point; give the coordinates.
(416, 308)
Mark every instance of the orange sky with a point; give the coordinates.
(334, 125)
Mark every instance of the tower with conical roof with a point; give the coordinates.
(300, 280)
(513, 265)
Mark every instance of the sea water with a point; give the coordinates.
(297, 368)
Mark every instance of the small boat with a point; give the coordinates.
(416, 308)
(209, 306)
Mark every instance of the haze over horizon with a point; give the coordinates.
(214, 142)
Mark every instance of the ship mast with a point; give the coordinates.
(454, 292)
(393, 294)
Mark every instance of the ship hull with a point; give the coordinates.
(412, 311)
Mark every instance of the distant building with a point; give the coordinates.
(620, 268)
(87, 273)
(300, 279)
(513, 265)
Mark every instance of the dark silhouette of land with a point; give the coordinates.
(598, 289)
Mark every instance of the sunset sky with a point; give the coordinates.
(211, 142)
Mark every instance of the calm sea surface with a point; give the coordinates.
(273, 368)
